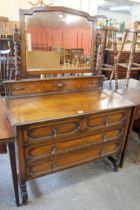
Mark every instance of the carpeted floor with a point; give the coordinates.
(92, 186)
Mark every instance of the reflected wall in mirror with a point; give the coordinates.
(56, 38)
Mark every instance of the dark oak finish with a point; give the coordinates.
(7, 138)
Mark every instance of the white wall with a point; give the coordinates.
(10, 8)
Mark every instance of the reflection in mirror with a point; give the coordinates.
(57, 40)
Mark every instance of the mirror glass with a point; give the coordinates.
(57, 40)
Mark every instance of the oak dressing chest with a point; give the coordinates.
(66, 120)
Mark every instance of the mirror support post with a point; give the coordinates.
(93, 45)
(17, 57)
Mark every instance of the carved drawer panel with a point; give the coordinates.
(63, 161)
(34, 153)
(106, 120)
(53, 130)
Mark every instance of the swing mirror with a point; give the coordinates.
(56, 39)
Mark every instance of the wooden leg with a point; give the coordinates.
(11, 148)
(115, 161)
(24, 193)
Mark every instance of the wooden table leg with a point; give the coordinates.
(11, 148)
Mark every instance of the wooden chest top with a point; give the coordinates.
(32, 109)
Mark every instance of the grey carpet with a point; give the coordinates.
(92, 186)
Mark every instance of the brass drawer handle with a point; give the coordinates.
(107, 121)
(53, 149)
(18, 89)
(53, 166)
(105, 138)
(60, 85)
(54, 132)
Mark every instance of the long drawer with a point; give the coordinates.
(51, 131)
(53, 164)
(33, 153)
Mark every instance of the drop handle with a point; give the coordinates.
(53, 149)
(60, 85)
(54, 132)
(53, 166)
(107, 121)
(105, 138)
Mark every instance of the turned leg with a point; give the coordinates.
(115, 161)
(24, 194)
(11, 148)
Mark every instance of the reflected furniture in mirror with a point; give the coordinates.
(62, 122)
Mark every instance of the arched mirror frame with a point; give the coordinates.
(24, 13)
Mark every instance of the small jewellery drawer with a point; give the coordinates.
(53, 85)
(57, 129)
(67, 160)
(106, 120)
(44, 150)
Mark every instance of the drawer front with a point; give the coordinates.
(70, 159)
(116, 118)
(34, 153)
(63, 161)
(51, 131)
(53, 85)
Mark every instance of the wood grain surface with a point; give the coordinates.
(26, 110)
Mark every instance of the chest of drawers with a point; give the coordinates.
(53, 146)
(58, 131)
